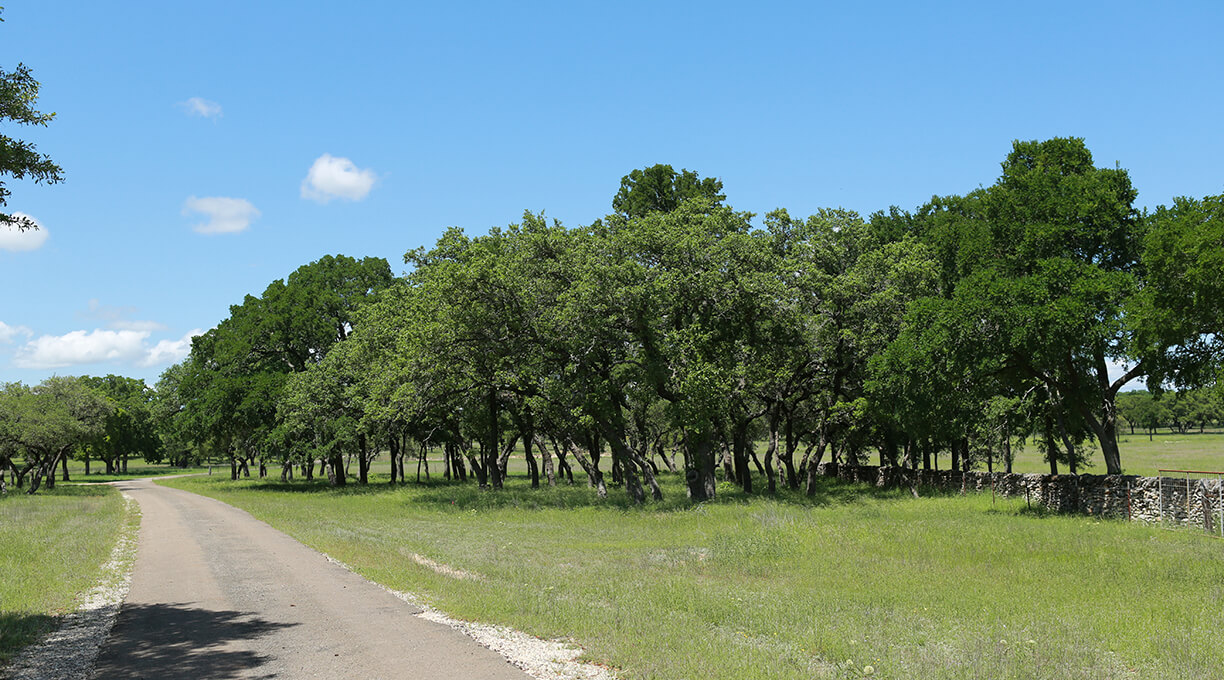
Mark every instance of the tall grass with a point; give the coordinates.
(52, 548)
(939, 587)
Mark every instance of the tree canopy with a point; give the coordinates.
(680, 335)
(20, 159)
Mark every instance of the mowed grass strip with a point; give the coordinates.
(52, 548)
(938, 587)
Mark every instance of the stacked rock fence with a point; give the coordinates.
(1175, 497)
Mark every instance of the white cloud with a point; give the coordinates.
(14, 239)
(101, 346)
(225, 215)
(333, 177)
(9, 333)
(80, 347)
(170, 351)
(198, 106)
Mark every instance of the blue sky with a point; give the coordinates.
(291, 130)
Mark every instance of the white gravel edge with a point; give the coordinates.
(541, 659)
(70, 651)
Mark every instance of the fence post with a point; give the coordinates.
(1160, 496)
(1187, 499)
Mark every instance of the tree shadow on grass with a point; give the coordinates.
(18, 630)
(440, 494)
(178, 641)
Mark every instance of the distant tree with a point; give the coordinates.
(169, 419)
(659, 188)
(46, 422)
(237, 371)
(19, 159)
(129, 429)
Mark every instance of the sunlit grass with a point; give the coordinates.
(52, 548)
(1143, 456)
(138, 468)
(940, 587)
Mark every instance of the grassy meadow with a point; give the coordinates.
(856, 581)
(52, 548)
(1142, 455)
(137, 468)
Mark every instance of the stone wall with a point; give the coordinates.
(1147, 499)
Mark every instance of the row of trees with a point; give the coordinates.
(1180, 412)
(85, 418)
(675, 333)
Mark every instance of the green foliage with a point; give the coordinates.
(659, 188)
(44, 423)
(230, 386)
(129, 429)
(20, 159)
(1180, 313)
(676, 331)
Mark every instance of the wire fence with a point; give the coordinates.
(1192, 498)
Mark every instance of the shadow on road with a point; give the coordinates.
(177, 641)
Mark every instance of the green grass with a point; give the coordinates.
(137, 469)
(939, 587)
(52, 548)
(1141, 456)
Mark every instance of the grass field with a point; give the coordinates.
(137, 469)
(939, 587)
(1141, 456)
(52, 547)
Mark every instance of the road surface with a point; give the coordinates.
(218, 594)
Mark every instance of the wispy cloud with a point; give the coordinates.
(17, 240)
(198, 106)
(118, 318)
(127, 347)
(334, 177)
(9, 333)
(225, 215)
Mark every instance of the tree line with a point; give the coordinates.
(107, 419)
(677, 334)
(1181, 411)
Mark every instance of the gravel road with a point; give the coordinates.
(216, 593)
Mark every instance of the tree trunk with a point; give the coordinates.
(64, 465)
(493, 439)
(337, 475)
(813, 469)
(1051, 448)
(739, 456)
(702, 484)
(550, 473)
(788, 456)
(591, 466)
(771, 482)
(533, 469)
